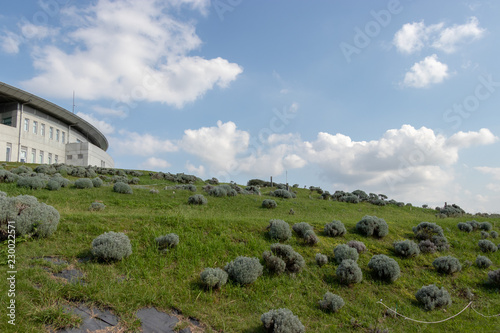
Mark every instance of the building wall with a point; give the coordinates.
(44, 139)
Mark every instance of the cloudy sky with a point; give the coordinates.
(394, 97)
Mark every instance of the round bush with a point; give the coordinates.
(426, 230)
(494, 234)
(218, 191)
(244, 270)
(123, 188)
(484, 234)
(82, 183)
(447, 265)
(466, 227)
(282, 321)
(213, 278)
(301, 228)
(33, 183)
(153, 191)
(343, 252)
(197, 199)
(486, 226)
(268, 203)
(406, 249)
(293, 260)
(432, 297)
(273, 263)
(280, 193)
(331, 302)
(426, 246)
(97, 182)
(97, 206)
(372, 226)
(494, 277)
(310, 238)
(487, 246)
(8, 177)
(483, 262)
(384, 268)
(111, 246)
(279, 229)
(349, 272)
(53, 185)
(474, 224)
(167, 241)
(321, 259)
(359, 246)
(334, 229)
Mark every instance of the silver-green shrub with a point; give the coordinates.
(123, 188)
(268, 203)
(343, 252)
(134, 181)
(426, 230)
(111, 246)
(487, 245)
(301, 228)
(384, 268)
(349, 272)
(34, 183)
(331, 302)
(8, 177)
(321, 259)
(293, 260)
(154, 191)
(432, 297)
(213, 278)
(53, 185)
(280, 193)
(253, 190)
(282, 321)
(334, 229)
(310, 237)
(197, 199)
(274, 263)
(493, 234)
(372, 226)
(61, 180)
(486, 226)
(218, 191)
(167, 241)
(97, 206)
(30, 216)
(426, 246)
(279, 229)
(97, 182)
(484, 234)
(359, 246)
(494, 277)
(244, 270)
(466, 227)
(474, 224)
(447, 265)
(483, 262)
(406, 248)
(82, 183)
(21, 169)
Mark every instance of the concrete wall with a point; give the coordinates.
(85, 153)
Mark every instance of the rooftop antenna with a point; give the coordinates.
(73, 101)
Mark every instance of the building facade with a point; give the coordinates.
(33, 130)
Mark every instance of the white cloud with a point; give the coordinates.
(101, 125)
(10, 42)
(30, 30)
(155, 164)
(109, 112)
(413, 37)
(133, 143)
(426, 72)
(467, 139)
(197, 171)
(129, 51)
(495, 172)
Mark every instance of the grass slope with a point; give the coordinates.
(217, 233)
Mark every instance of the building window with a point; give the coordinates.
(103, 164)
(26, 124)
(42, 129)
(8, 154)
(56, 158)
(57, 135)
(35, 127)
(63, 137)
(24, 152)
(50, 158)
(33, 155)
(69, 157)
(78, 141)
(80, 156)
(7, 121)
(51, 132)
(41, 157)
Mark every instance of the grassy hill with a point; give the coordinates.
(214, 234)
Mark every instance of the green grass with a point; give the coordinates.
(216, 233)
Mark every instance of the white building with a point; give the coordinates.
(33, 130)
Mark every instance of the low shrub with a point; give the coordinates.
(331, 302)
(279, 229)
(432, 297)
(474, 224)
(372, 226)
(334, 229)
(441, 243)
(167, 241)
(253, 190)
(487, 246)
(213, 278)
(426, 246)
(123, 188)
(96, 206)
(97, 182)
(34, 183)
(494, 234)
(486, 226)
(111, 246)
(53, 185)
(343, 252)
(282, 321)
(268, 203)
(82, 183)
(154, 191)
(447, 265)
(218, 191)
(384, 268)
(321, 259)
(280, 193)
(61, 180)
(8, 177)
(275, 264)
(406, 248)
(483, 262)
(197, 199)
(134, 181)
(301, 228)
(293, 260)
(244, 270)
(484, 234)
(426, 230)
(466, 227)
(310, 237)
(349, 272)
(359, 246)
(494, 277)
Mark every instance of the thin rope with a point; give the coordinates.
(497, 315)
(425, 322)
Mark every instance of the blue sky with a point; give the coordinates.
(394, 97)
